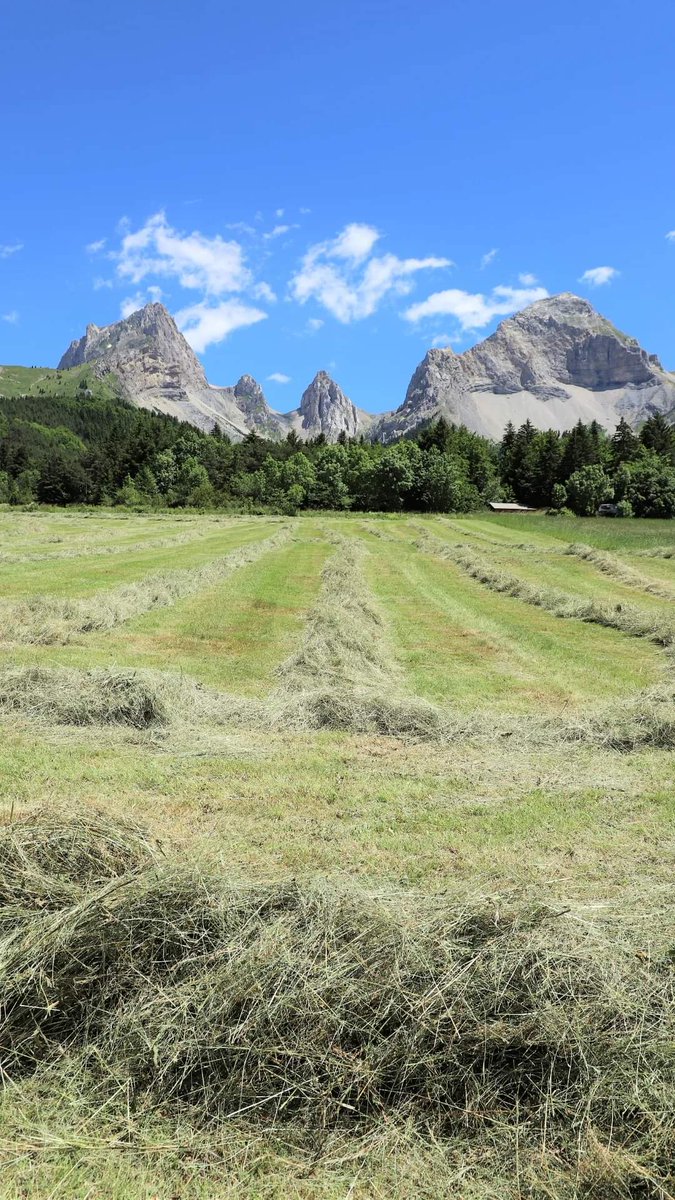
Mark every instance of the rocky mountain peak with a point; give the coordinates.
(248, 388)
(324, 408)
(556, 362)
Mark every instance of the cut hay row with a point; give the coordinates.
(94, 551)
(344, 675)
(289, 1009)
(610, 565)
(655, 552)
(627, 618)
(156, 700)
(46, 620)
(503, 543)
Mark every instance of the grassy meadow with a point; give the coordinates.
(336, 857)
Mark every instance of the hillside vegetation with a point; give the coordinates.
(67, 439)
(336, 856)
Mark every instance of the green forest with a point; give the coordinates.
(74, 442)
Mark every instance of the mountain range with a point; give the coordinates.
(554, 363)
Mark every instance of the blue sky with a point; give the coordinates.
(336, 186)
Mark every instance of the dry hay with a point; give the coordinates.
(312, 1008)
(91, 550)
(46, 620)
(609, 564)
(344, 675)
(140, 699)
(656, 552)
(627, 618)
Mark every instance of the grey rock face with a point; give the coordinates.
(156, 369)
(324, 408)
(554, 363)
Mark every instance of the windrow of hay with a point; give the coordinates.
(91, 550)
(140, 699)
(609, 564)
(305, 1009)
(344, 676)
(45, 620)
(156, 700)
(656, 552)
(627, 618)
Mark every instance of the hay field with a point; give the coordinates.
(336, 857)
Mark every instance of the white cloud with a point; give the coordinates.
(12, 318)
(354, 243)
(155, 293)
(488, 258)
(598, 276)
(278, 231)
(8, 249)
(474, 310)
(315, 323)
(305, 211)
(671, 235)
(278, 377)
(95, 247)
(263, 291)
(279, 212)
(527, 279)
(100, 283)
(204, 324)
(441, 340)
(131, 304)
(209, 264)
(353, 287)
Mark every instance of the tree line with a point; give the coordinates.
(93, 450)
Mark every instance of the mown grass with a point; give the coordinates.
(462, 645)
(488, 817)
(605, 533)
(82, 576)
(231, 635)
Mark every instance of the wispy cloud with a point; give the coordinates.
(204, 324)
(527, 279)
(671, 235)
(488, 258)
(131, 304)
(278, 377)
(442, 340)
(349, 281)
(100, 282)
(314, 324)
(474, 310)
(213, 267)
(96, 247)
(598, 276)
(209, 264)
(12, 318)
(263, 291)
(8, 249)
(276, 232)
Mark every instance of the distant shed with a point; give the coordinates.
(509, 508)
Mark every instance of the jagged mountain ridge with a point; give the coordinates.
(156, 368)
(553, 363)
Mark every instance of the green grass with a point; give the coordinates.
(32, 381)
(83, 576)
(569, 825)
(605, 533)
(231, 636)
(466, 646)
